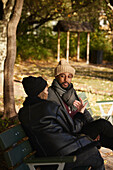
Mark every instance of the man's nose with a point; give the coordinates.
(66, 78)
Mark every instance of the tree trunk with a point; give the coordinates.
(9, 102)
(3, 49)
(112, 40)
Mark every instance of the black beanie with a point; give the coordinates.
(34, 85)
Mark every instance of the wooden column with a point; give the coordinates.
(88, 41)
(58, 47)
(67, 52)
(78, 47)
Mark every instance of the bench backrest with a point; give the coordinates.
(83, 96)
(15, 147)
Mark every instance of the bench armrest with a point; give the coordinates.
(50, 159)
(60, 161)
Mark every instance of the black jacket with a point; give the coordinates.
(51, 129)
(79, 119)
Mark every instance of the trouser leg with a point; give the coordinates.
(88, 158)
(98, 127)
(106, 142)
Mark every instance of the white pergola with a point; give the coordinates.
(76, 27)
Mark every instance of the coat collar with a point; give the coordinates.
(31, 100)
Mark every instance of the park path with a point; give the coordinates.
(107, 155)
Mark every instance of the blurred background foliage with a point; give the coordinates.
(44, 44)
(35, 36)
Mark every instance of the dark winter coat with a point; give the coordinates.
(51, 130)
(79, 119)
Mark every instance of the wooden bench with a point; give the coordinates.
(19, 155)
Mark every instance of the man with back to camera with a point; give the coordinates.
(51, 130)
(62, 92)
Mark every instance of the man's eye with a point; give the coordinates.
(62, 76)
(70, 77)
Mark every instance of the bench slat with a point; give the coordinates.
(11, 136)
(83, 96)
(17, 154)
(22, 167)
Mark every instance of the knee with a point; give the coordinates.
(103, 122)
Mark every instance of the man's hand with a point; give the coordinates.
(79, 105)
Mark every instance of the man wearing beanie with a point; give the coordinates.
(51, 130)
(62, 92)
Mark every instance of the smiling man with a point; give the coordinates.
(64, 79)
(62, 92)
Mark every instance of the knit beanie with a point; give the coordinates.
(64, 67)
(34, 85)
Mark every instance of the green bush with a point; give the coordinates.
(40, 45)
(6, 123)
(101, 41)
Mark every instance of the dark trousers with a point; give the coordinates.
(88, 158)
(103, 128)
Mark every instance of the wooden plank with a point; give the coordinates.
(22, 167)
(82, 95)
(85, 100)
(11, 136)
(17, 154)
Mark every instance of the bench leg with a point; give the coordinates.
(31, 166)
(60, 165)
